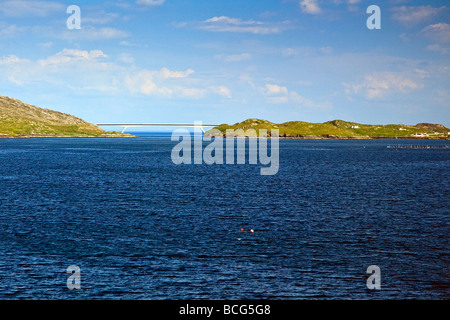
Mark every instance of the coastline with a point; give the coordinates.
(330, 137)
(364, 138)
(29, 136)
(322, 137)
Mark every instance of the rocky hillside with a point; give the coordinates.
(19, 118)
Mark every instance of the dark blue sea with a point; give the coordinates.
(140, 227)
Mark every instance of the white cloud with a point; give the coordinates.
(227, 24)
(279, 95)
(10, 60)
(349, 2)
(167, 74)
(194, 93)
(307, 51)
(26, 8)
(323, 105)
(92, 34)
(380, 84)
(310, 6)
(235, 57)
(85, 71)
(126, 58)
(159, 83)
(47, 44)
(150, 82)
(352, 5)
(100, 18)
(13, 69)
(151, 2)
(273, 89)
(10, 31)
(67, 56)
(439, 32)
(222, 91)
(143, 82)
(438, 48)
(278, 100)
(410, 16)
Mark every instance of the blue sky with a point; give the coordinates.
(226, 61)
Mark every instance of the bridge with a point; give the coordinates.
(196, 124)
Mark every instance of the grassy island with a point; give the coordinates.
(337, 129)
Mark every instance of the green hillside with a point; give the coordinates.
(21, 119)
(338, 129)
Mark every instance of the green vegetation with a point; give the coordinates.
(21, 119)
(337, 129)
